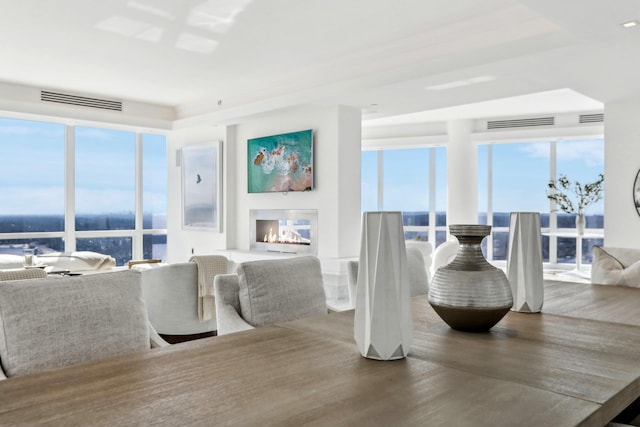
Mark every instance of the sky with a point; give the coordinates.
(32, 169)
(32, 172)
(521, 173)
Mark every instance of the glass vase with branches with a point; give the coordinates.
(573, 197)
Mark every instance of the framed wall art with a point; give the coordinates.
(280, 163)
(202, 186)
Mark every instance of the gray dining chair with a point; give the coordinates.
(417, 269)
(445, 253)
(47, 324)
(269, 291)
(173, 291)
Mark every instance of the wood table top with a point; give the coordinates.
(548, 369)
(618, 304)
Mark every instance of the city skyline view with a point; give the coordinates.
(104, 178)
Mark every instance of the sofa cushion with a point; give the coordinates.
(607, 269)
(47, 324)
(274, 291)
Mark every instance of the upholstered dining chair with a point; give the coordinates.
(172, 293)
(46, 324)
(269, 291)
(417, 268)
(426, 249)
(22, 274)
(445, 253)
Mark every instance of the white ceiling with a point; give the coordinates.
(219, 60)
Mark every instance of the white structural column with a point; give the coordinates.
(462, 174)
(621, 133)
(347, 149)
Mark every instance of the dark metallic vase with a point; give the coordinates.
(470, 294)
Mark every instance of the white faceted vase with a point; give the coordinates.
(383, 327)
(524, 262)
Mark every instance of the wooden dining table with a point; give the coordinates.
(574, 364)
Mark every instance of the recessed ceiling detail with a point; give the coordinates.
(261, 56)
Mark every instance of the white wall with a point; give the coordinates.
(621, 164)
(337, 178)
(336, 194)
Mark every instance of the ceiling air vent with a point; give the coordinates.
(591, 118)
(519, 123)
(82, 101)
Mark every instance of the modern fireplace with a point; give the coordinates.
(284, 230)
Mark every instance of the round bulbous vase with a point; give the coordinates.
(470, 294)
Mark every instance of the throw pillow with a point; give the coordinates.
(631, 275)
(605, 269)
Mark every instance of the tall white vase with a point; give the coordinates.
(383, 327)
(524, 262)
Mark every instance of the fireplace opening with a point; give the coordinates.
(284, 230)
(279, 231)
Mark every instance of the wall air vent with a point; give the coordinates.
(519, 123)
(82, 101)
(591, 118)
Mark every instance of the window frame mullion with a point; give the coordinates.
(70, 189)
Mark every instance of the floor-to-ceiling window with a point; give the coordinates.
(71, 188)
(32, 185)
(105, 196)
(581, 161)
(369, 180)
(154, 196)
(514, 177)
(411, 180)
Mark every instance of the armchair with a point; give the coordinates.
(267, 292)
(46, 324)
